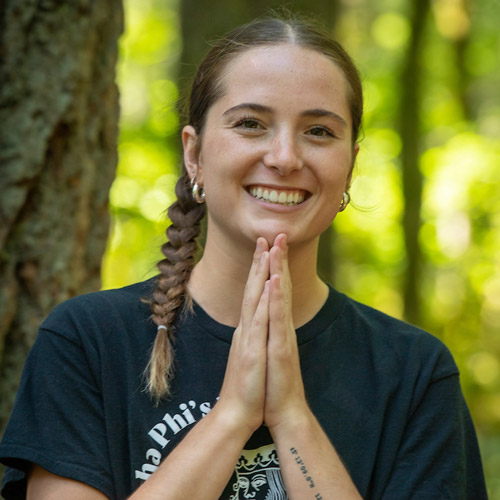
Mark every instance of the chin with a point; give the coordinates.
(270, 233)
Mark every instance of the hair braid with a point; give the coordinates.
(171, 291)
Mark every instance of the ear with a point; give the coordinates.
(190, 144)
(355, 151)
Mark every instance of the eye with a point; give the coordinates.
(248, 123)
(243, 482)
(320, 131)
(259, 481)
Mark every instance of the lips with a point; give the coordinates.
(288, 197)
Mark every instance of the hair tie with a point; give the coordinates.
(162, 327)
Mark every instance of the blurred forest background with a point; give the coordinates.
(421, 240)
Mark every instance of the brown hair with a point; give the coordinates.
(185, 214)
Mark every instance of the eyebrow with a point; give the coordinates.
(260, 108)
(250, 106)
(319, 113)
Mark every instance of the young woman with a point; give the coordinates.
(263, 381)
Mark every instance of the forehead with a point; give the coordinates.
(288, 73)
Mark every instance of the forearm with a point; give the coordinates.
(310, 466)
(201, 465)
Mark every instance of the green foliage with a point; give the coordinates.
(460, 160)
(148, 152)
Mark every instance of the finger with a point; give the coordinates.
(260, 322)
(276, 260)
(287, 279)
(281, 241)
(257, 277)
(279, 312)
(279, 265)
(260, 248)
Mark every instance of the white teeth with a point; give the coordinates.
(280, 197)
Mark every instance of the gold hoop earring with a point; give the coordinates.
(198, 193)
(346, 198)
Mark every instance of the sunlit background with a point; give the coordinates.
(459, 158)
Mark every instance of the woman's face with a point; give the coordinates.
(277, 150)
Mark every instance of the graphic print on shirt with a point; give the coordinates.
(258, 475)
(163, 433)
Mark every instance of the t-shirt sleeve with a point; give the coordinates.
(58, 417)
(438, 455)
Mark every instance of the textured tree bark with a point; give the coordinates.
(204, 20)
(58, 154)
(409, 126)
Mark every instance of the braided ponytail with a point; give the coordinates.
(171, 292)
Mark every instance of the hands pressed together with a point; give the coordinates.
(263, 381)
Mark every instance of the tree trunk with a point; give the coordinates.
(461, 44)
(409, 126)
(58, 154)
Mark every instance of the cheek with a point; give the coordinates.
(335, 175)
(220, 158)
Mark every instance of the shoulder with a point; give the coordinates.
(95, 335)
(396, 342)
(118, 298)
(103, 311)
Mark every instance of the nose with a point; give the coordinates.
(283, 154)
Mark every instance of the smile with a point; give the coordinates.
(278, 196)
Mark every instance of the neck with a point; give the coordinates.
(218, 281)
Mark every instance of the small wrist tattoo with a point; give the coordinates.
(304, 471)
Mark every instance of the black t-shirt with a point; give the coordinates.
(386, 393)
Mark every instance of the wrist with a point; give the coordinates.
(293, 421)
(236, 423)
